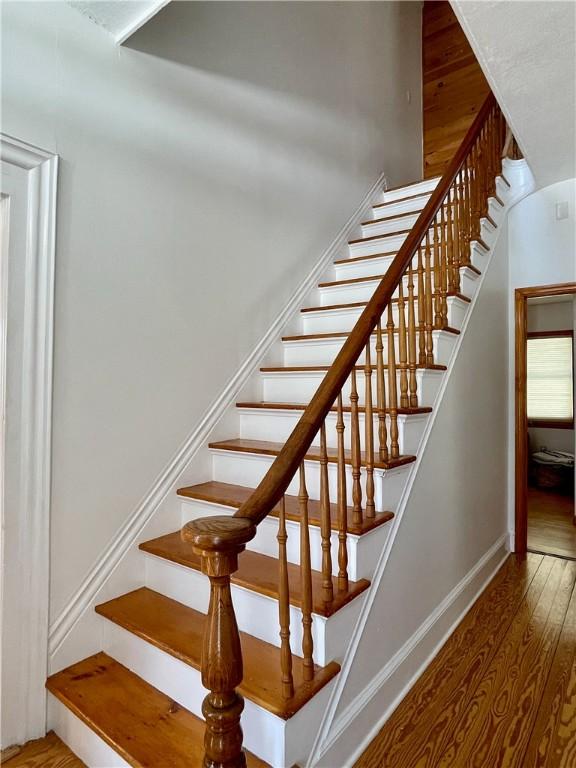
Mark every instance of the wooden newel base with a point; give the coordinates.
(219, 541)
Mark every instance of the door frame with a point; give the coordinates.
(521, 296)
(33, 485)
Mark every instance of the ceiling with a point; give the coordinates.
(527, 50)
(121, 18)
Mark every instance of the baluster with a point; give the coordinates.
(428, 300)
(305, 580)
(450, 216)
(421, 310)
(392, 389)
(402, 358)
(342, 503)
(468, 206)
(475, 192)
(443, 264)
(381, 395)
(413, 386)
(219, 541)
(457, 235)
(355, 452)
(437, 276)
(484, 170)
(284, 607)
(325, 521)
(369, 436)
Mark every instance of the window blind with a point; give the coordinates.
(550, 387)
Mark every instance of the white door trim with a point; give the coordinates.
(36, 419)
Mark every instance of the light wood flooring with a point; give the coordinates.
(48, 752)
(502, 691)
(550, 523)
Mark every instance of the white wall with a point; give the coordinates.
(541, 251)
(551, 316)
(201, 178)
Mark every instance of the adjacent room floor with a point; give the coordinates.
(48, 752)
(502, 691)
(550, 523)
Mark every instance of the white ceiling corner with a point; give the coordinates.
(121, 18)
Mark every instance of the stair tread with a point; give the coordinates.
(231, 495)
(344, 334)
(373, 278)
(387, 218)
(354, 259)
(311, 368)
(413, 184)
(357, 304)
(179, 630)
(271, 448)
(263, 404)
(139, 722)
(378, 237)
(259, 573)
(400, 199)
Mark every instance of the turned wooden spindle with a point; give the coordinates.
(402, 352)
(421, 309)
(428, 299)
(381, 396)
(325, 521)
(412, 383)
(342, 502)
(443, 265)
(476, 190)
(467, 203)
(219, 540)
(305, 579)
(450, 206)
(437, 275)
(355, 452)
(392, 387)
(369, 435)
(458, 232)
(284, 606)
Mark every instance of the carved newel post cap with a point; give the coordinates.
(220, 533)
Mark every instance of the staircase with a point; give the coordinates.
(255, 600)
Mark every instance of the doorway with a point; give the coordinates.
(545, 442)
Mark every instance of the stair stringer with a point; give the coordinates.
(343, 734)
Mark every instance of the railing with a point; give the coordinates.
(392, 339)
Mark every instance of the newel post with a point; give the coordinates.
(219, 541)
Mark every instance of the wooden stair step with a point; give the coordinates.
(387, 218)
(231, 495)
(378, 237)
(258, 573)
(412, 184)
(313, 368)
(400, 199)
(373, 278)
(139, 722)
(345, 334)
(269, 448)
(358, 304)
(262, 404)
(179, 631)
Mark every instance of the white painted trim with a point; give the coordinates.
(36, 418)
(363, 699)
(82, 600)
(128, 31)
(330, 712)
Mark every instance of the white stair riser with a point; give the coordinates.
(387, 225)
(82, 740)
(350, 270)
(324, 351)
(264, 732)
(425, 187)
(413, 205)
(278, 425)
(349, 293)
(256, 614)
(240, 468)
(363, 551)
(337, 320)
(382, 244)
(299, 387)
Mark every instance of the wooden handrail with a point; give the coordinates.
(430, 258)
(277, 479)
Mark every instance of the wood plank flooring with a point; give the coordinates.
(551, 529)
(502, 691)
(48, 752)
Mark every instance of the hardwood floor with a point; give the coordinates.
(550, 523)
(502, 691)
(48, 752)
(454, 86)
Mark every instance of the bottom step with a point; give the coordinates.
(142, 725)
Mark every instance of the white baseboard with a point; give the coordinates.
(359, 723)
(83, 599)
